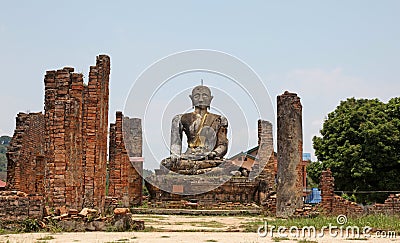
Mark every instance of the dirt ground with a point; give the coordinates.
(178, 228)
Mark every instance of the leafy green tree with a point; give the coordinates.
(360, 143)
(4, 142)
(314, 170)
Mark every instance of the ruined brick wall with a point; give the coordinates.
(290, 150)
(390, 206)
(63, 115)
(16, 205)
(265, 157)
(25, 166)
(76, 121)
(125, 181)
(96, 95)
(63, 153)
(332, 204)
(265, 153)
(236, 190)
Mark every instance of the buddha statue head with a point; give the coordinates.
(201, 97)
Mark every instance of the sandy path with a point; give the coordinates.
(205, 223)
(153, 237)
(170, 228)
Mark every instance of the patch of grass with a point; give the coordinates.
(47, 237)
(211, 240)
(165, 236)
(307, 241)
(278, 239)
(134, 237)
(30, 225)
(376, 222)
(53, 226)
(5, 232)
(111, 228)
(122, 240)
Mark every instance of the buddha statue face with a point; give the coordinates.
(201, 96)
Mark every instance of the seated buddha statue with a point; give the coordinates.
(206, 136)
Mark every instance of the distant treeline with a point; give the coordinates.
(4, 142)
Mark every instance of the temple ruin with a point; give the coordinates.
(61, 154)
(59, 157)
(69, 158)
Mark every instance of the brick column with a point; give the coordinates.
(327, 190)
(63, 136)
(76, 125)
(290, 149)
(95, 133)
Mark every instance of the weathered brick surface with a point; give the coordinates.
(390, 206)
(63, 113)
(241, 190)
(76, 121)
(16, 205)
(290, 150)
(95, 124)
(265, 156)
(63, 153)
(25, 167)
(332, 204)
(327, 188)
(125, 181)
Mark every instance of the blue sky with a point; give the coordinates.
(325, 51)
